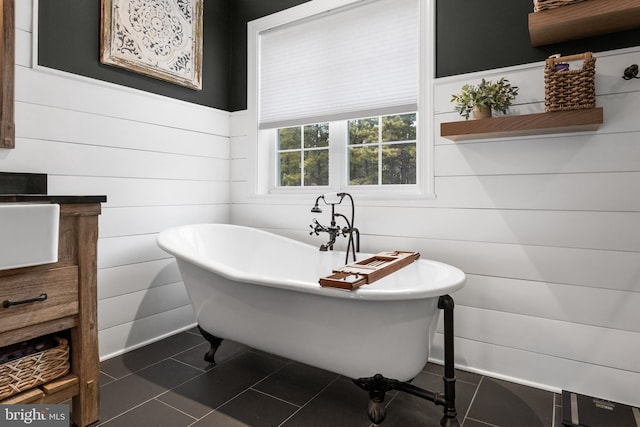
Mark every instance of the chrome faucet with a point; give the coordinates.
(334, 230)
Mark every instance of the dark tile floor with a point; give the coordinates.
(168, 384)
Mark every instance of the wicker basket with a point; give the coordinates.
(35, 369)
(570, 89)
(540, 5)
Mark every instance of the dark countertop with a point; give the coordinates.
(50, 198)
(23, 187)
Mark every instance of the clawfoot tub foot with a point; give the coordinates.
(377, 411)
(214, 342)
(377, 386)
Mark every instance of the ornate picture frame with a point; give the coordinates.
(157, 38)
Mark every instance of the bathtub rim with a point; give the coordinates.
(455, 279)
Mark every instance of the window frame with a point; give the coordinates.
(263, 177)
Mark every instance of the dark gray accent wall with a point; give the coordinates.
(69, 40)
(487, 34)
(471, 35)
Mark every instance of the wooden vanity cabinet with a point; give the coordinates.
(70, 308)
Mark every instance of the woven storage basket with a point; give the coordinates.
(571, 89)
(35, 369)
(540, 5)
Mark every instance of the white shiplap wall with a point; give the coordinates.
(547, 229)
(159, 161)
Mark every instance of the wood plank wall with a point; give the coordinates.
(547, 229)
(161, 162)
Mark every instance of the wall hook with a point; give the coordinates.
(631, 72)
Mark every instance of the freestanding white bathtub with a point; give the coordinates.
(262, 290)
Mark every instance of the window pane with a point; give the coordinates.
(290, 169)
(363, 131)
(289, 138)
(399, 164)
(380, 151)
(316, 135)
(316, 167)
(399, 128)
(363, 165)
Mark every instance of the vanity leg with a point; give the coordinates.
(215, 343)
(85, 359)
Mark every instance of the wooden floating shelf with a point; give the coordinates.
(585, 19)
(526, 124)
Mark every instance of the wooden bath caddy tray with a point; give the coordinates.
(352, 276)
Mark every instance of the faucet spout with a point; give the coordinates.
(316, 208)
(334, 230)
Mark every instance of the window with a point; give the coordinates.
(339, 98)
(378, 151)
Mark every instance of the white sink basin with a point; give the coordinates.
(28, 234)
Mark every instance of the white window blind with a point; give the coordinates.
(352, 62)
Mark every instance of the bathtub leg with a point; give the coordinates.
(378, 385)
(215, 343)
(450, 417)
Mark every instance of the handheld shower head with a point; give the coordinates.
(316, 208)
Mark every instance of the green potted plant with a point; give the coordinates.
(484, 97)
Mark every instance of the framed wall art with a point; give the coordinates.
(157, 38)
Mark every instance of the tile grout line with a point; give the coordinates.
(166, 390)
(110, 376)
(289, 362)
(337, 378)
(273, 397)
(473, 398)
(239, 393)
(171, 357)
(198, 376)
(296, 407)
(152, 398)
(189, 365)
(176, 409)
(386, 407)
(483, 422)
(125, 412)
(202, 417)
